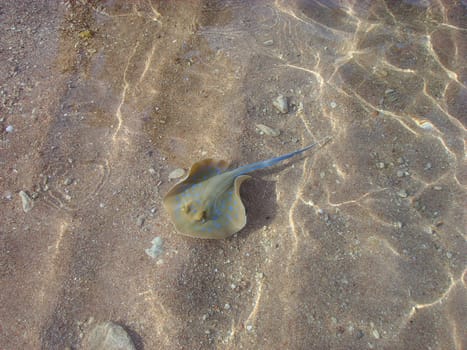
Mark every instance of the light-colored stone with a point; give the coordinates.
(177, 173)
(402, 194)
(267, 130)
(156, 248)
(281, 104)
(108, 336)
(26, 201)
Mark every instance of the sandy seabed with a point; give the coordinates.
(358, 245)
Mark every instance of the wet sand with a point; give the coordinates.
(358, 245)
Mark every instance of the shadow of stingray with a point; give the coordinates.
(259, 199)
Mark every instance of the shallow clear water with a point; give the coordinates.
(359, 244)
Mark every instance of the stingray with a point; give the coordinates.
(207, 203)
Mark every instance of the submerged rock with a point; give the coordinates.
(177, 173)
(280, 103)
(156, 248)
(26, 201)
(267, 130)
(109, 336)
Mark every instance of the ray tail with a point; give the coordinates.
(270, 162)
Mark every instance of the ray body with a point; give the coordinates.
(207, 203)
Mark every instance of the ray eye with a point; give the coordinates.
(186, 208)
(201, 216)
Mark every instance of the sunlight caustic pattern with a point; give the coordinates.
(355, 62)
(362, 239)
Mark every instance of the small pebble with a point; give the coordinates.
(428, 229)
(300, 107)
(156, 248)
(152, 171)
(333, 104)
(400, 173)
(428, 166)
(280, 103)
(9, 129)
(26, 201)
(249, 328)
(140, 220)
(268, 42)
(375, 333)
(68, 181)
(426, 125)
(382, 73)
(227, 307)
(86, 34)
(437, 188)
(267, 130)
(380, 165)
(402, 194)
(108, 335)
(177, 173)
